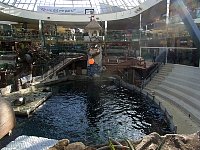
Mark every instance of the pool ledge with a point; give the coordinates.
(33, 99)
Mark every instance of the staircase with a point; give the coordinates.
(52, 71)
(163, 73)
(180, 85)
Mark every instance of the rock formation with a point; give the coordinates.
(152, 141)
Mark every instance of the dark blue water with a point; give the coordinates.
(92, 112)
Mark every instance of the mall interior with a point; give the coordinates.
(127, 29)
(151, 46)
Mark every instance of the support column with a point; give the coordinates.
(167, 23)
(106, 26)
(56, 33)
(167, 12)
(140, 34)
(105, 34)
(41, 33)
(40, 28)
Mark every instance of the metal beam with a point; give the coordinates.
(188, 21)
(34, 5)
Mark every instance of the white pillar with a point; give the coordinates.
(41, 33)
(166, 55)
(40, 27)
(140, 34)
(167, 12)
(167, 22)
(140, 21)
(146, 29)
(106, 26)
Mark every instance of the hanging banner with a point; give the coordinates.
(65, 10)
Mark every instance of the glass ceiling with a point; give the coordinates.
(99, 6)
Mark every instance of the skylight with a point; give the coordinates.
(61, 6)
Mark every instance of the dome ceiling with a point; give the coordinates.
(74, 6)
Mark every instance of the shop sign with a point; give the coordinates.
(65, 10)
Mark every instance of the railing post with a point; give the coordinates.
(175, 129)
(159, 103)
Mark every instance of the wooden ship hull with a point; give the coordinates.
(7, 118)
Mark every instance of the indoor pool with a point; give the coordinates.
(91, 112)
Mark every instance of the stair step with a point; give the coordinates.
(185, 77)
(154, 84)
(186, 72)
(181, 104)
(182, 82)
(155, 80)
(163, 73)
(189, 91)
(166, 68)
(159, 78)
(150, 87)
(187, 68)
(179, 84)
(160, 75)
(181, 96)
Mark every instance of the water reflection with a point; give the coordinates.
(94, 108)
(91, 112)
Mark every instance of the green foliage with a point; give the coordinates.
(130, 145)
(111, 145)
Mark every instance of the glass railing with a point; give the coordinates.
(7, 53)
(175, 55)
(111, 36)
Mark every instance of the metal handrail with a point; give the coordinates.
(57, 67)
(123, 75)
(159, 59)
(151, 74)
